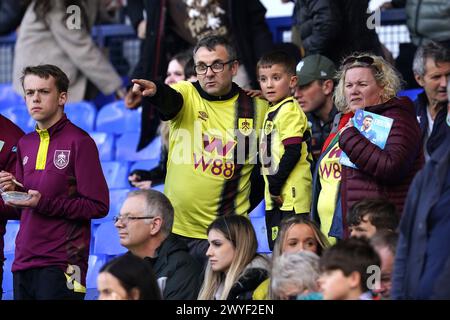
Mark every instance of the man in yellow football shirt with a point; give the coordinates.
(214, 129)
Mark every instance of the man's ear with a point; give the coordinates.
(156, 225)
(355, 280)
(234, 67)
(327, 87)
(293, 82)
(419, 80)
(62, 98)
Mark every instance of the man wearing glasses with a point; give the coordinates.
(144, 226)
(214, 128)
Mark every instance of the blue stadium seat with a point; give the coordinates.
(259, 211)
(19, 115)
(411, 93)
(159, 187)
(116, 174)
(126, 148)
(12, 228)
(94, 265)
(259, 224)
(105, 145)
(115, 118)
(8, 97)
(116, 199)
(82, 114)
(144, 164)
(107, 240)
(7, 283)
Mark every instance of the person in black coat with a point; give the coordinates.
(11, 13)
(423, 253)
(336, 28)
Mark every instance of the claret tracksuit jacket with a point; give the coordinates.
(62, 163)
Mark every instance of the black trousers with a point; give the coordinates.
(48, 283)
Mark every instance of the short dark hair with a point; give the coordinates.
(434, 50)
(277, 57)
(351, 255)
(189, 69)
(368, 116)
(134, 273)
(210, 42)
(44, 71)
(385, 239)
(381, 213)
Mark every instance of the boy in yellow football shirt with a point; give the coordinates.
(284, 144)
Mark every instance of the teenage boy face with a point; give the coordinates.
(45, 103)
(276, 84)
(364, 229)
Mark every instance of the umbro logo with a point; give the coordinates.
(202, 115)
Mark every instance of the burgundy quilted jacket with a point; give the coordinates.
(382, 173)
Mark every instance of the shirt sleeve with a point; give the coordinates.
(291, 123)
(167, 101)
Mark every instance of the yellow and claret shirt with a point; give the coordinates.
(285, 123)
(330, 178)
(212, 151)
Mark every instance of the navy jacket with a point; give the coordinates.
(411, 249)
(439, 128)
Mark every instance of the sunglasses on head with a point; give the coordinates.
(363, 59)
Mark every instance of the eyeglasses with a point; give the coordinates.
(363, 59)
(215, 67)
(125, 219)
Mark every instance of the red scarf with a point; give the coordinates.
(342, 122)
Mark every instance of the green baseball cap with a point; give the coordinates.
(314, 67)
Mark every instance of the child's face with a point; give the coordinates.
(334, 285)
(364, 229)
(276, 84)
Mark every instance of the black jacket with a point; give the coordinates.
(320, 132)
(440, 127)
(182, 271)
(426, 190)
(336, 28)
(11, 13)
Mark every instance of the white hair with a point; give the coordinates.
(300, 269)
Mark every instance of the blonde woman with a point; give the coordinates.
(365, 82)
(234, 270)
(297, 234)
